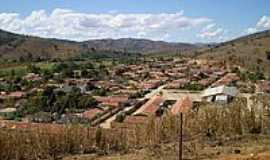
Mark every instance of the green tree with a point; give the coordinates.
(86, 102)
(33, 69)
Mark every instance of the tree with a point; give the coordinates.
(100, 92)
(194, 87)
(60, 105)
(49, 99)
(33, 105)
(256, 76)
(47, 74)
(33, 69)
(120, 117)
(89, 65)
(86, 102)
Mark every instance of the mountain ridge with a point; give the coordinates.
(18, 46)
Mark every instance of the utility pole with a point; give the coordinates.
(181, 137)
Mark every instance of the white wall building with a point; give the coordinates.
(220, 94)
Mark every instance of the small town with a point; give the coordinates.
(134, 80)
(99, 95)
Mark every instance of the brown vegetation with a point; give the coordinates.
(208, 125)
(250, 52)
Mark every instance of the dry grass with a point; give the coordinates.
(208, 126)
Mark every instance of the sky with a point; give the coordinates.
(190, 21)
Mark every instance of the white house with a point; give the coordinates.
(220, 94)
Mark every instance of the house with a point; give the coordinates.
(64, 88)
(176, 74)
(156, 74)
(113, 101)
(152, 84)
(221, 94)
(16, 95)
(32, 77)
(69, 88)
(176, 84)
(228, 79)
(182, 105)
(7, 111)
(91, 113)
(206, 82)
(151, 106)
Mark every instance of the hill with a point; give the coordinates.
(251, 52)
(27, 47)
(138, 45)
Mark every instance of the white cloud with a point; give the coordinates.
(212, 32)
(69, 24)
(262, 24)
(251, 30)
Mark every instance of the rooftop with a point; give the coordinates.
(182, 105)
(231, 91)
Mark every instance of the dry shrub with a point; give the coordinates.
(260, 113)
(44, 144)
(215, 120)
(208, 120)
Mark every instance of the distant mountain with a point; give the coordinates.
(251, 52)
(26, 47)
(204, 45)
(138, 45)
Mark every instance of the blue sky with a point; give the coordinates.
(170, 20)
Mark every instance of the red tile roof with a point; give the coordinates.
(91, 113)
(151, 84)
(17, 94)
(206, 82)
(182, 105)
(180, 83)
(151, 106)
(112, 100)
(227, 79)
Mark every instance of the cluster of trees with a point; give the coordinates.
(250, 76)
(67, 68)
(194, 86)
(58, 103)
(9, 87)
(88, 70)
(17, 84)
